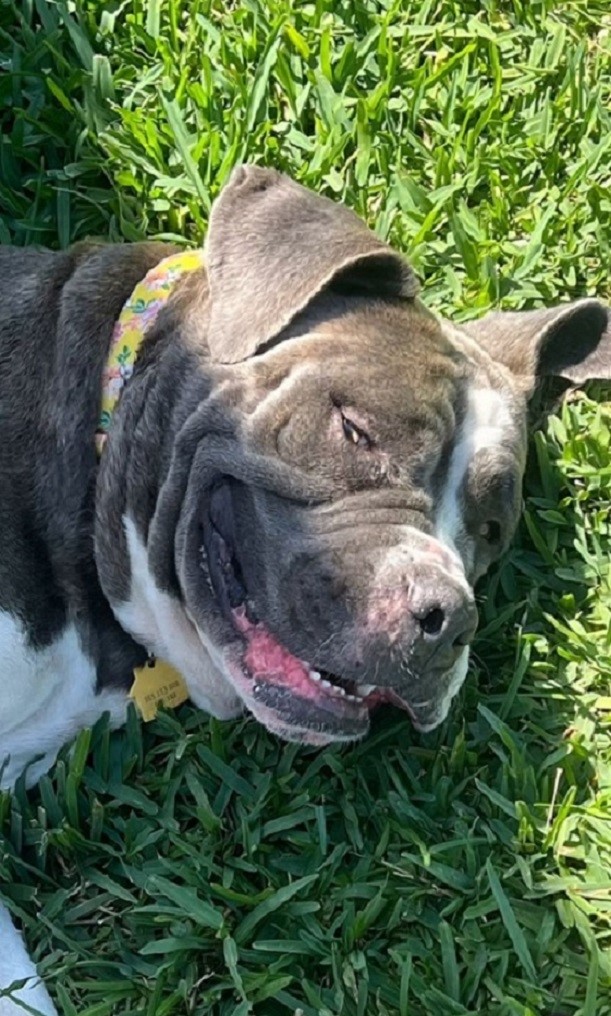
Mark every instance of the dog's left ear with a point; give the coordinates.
(272, 246)
(571, 341)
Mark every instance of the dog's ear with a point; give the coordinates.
(272, 246)
(571, 341)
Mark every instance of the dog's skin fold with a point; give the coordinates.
(304, 478)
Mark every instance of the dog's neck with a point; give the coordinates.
(134, 555)
(137, 316)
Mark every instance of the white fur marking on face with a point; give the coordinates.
(15, 965)
(160, 622)
(485, 425)
(47, 696)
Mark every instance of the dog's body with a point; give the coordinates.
(306, 465)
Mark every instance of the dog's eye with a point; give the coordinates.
(490, 532)
(354, 434)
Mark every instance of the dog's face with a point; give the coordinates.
(367, 470)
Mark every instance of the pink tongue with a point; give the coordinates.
(267, 660)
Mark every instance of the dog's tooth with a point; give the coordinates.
(326, 684)
(364, 690)
(314, 675)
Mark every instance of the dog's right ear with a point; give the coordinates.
(273, 246)
(571, 341)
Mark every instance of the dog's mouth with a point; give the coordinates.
(286, 693)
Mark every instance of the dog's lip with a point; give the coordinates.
(285, 685)
(417, 711)
(275, 673)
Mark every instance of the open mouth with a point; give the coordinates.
(299, 695)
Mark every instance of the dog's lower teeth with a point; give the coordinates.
(335, 689)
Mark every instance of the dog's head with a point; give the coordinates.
(356, 468)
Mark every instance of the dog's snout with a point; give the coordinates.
(318, 592)
(403, 623)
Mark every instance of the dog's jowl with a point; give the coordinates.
(304, 476)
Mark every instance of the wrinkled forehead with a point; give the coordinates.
(442, 382)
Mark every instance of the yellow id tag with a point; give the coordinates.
(157, 684)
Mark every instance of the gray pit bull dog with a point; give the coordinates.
(305, 476)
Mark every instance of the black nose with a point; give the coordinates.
(432, 623)
(444, 614)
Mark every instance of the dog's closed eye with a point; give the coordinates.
(355, 434)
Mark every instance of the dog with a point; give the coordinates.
(305, 475)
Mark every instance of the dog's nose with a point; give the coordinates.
(428, 611)
(444, 617)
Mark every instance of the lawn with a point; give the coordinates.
(194, 867)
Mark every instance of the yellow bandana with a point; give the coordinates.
(137, 316)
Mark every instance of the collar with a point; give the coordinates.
(137, 316)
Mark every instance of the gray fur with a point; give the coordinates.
(296, 288)
(232, 433)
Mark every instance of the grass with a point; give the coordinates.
(194, 867)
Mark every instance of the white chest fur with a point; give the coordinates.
(160, 622)
(46, 697)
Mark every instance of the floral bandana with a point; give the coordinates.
(137, 316)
